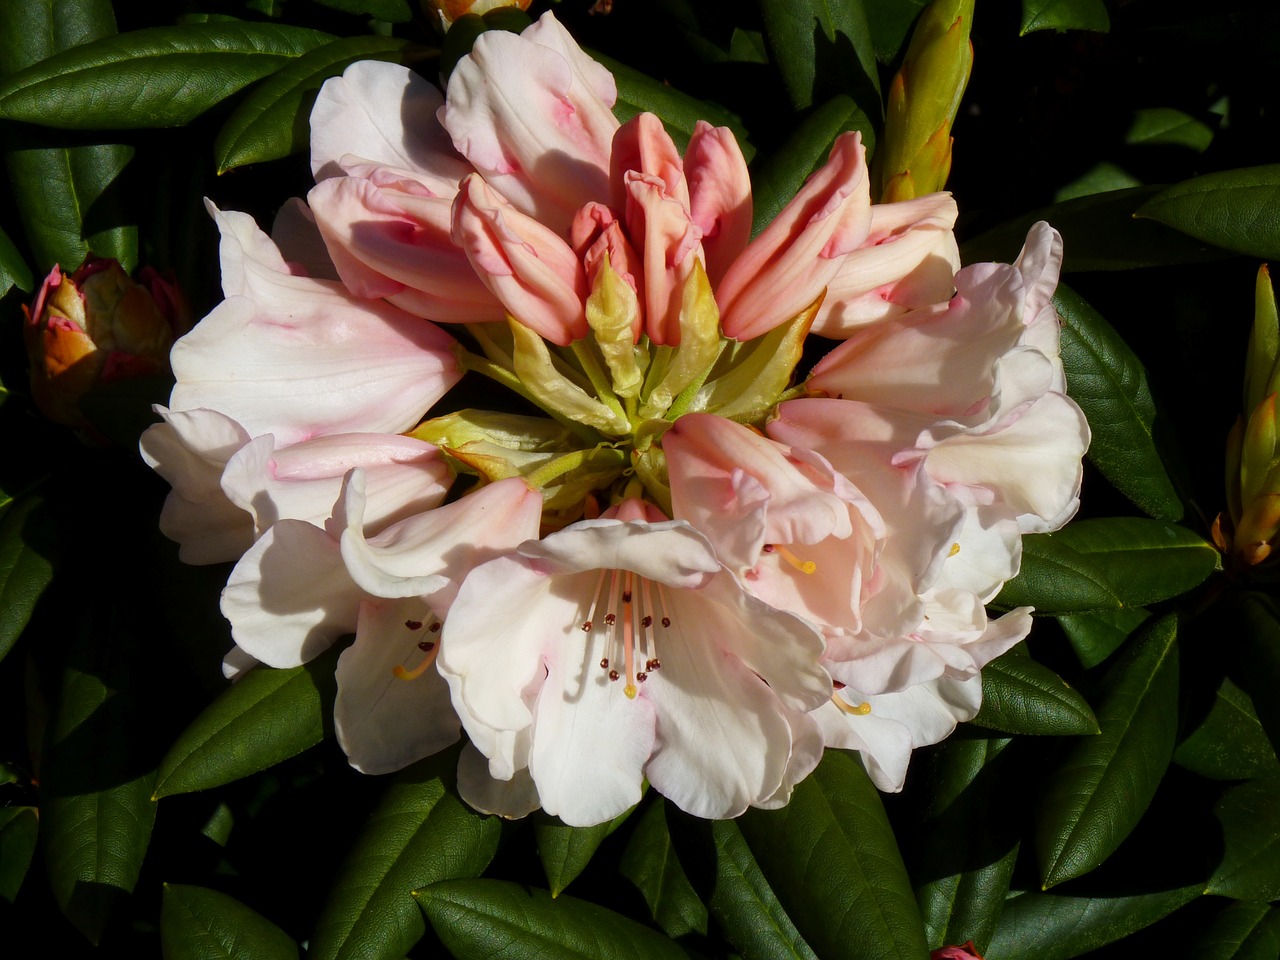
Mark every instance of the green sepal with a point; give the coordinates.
(555, 387)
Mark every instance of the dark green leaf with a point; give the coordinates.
(1145, 561)
(967, 843)
(27, 542)
(1253, 620)
(159, 77)
(1236, 209)
(96, 811)
(1107, 380)
(1229, 744)
(262, 719)
(272, 121)
(1241, 931)
(747, 46)
(1166, 126)
(1064, 15)
(14, 271)
(392, 11)
(484, 919)
(679, 112)
(201, 924)
(833, 861)
(1022, 696)
(650, 862)
(745, 906)
(420, 833)
(822, 48)
(566, 851)
(890, 24)
(1099, 232)
(1046, 926)
(777, 178)
(35, 29)
(1054, 578)
(1096, 636)
(1102, 177)
(1098, 794)
(19, 827)
(1250, 819)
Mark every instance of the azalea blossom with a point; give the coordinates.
(685, 559)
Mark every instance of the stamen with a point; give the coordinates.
(861, 710)
(614, 674)
(595, 604)
(628, 639)
(413, 624)
(662, 599)
(429, 647)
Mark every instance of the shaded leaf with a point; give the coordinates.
(1229, 744)
(821, 48)
(1099, 232)
(1101, 789)
(1145, 561)
(744, 904)
(27, 544)
(650, 862)
(833, 861)
(1102, 177)
(19, 828)
(419, 833)
(482, 919)
(1166, 126)
(262, 719)
(1022, 696)
(1241, 931)
(566, 851)
(158, 77)
(1250, 819)
(14, 271)
(1054, 578)
(392, 11)
(1254, 621)
(1235, 209)
(890, 24)
(1047, 926)
(201, 924)
(1064, 15)
(777, 178)
(272, 121)
(1096, 636)
(1109, 383)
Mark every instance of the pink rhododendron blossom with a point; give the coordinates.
(691, 556)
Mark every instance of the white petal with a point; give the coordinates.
(512, 799)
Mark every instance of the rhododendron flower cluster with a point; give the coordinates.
(665, 551)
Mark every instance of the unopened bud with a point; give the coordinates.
(967, 952)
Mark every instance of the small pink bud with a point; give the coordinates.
(967, 952)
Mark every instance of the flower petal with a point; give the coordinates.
(719, 195)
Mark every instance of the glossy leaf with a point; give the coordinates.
(1250, 819)
(651, 863)
(890, 24)
(779, 177)
(566, 851)
(27, 543)
(392, 11)
(420, 833)
(1229, 743)
(1109, 383)
(158, 77)
(201, 924)
(482, 919)
(821, 48)
(1235, 209)
(19, 827)
(14, 271)
(35, 29)
(1253, 619)
(1164, 126)
(1047, 926)
(833, 861)
(96, 811)
(1102, 177)
(1064, 15)
(1241, 931)
(1102, 788)
(272, 121)
(679, 112)
(1022, 696)
(744, 904)
(1055, 578)
(1145, 560)
(1099, 232)
(1096, 636)
(264, 718)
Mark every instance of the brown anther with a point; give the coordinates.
(767, 548)
(653, 664)
(666, 621)
(604, 663)
(610, 619)
(413, 624)
(647, 622)
(641, 677)
(435, 627)
(626, 596)
(426, 646)
(614, 674)
(586, 626)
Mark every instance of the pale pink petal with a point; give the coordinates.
(883, 745)
(533, 114)
(788, 266)
(512, 799)
(719, 196)
(669, 245)
(528, 267)
(806, 752)
(642, 145)
(295, 233)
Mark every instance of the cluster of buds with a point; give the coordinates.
(97, 326)
(1247, 531)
